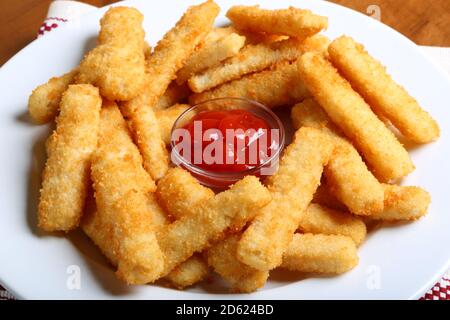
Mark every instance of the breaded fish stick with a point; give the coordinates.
(173, 95)
(117, 65)
(175, 48)
(229, 210)
(324, 197)
(217, 33)
(292, 187)
(179, 193)
(43, 103)
(347, 174)
(292, 22)
(278, 86)
(403, 203)
(122, 26)
(168, 57)
(242, 278)
(320, 253)
(121, 188)
(66, 174)
(210, 55)
(144, 126)
(255, 58)
(167, 117)
(260, 37)
(188, 273)
(384, 95)
(387, 157)
(318, 219)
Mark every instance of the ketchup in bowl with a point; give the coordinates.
(220, 141)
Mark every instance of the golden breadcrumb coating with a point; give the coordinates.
(329, 254)
(387, 157)
(65, 179)
(347, 174)
(319, 219)
(121, 188)
(168, 57)
(352, 183)
(43, 103)
(211, 55)
(144, 127)
(403, 203)
(384, 95)
(173, 95)
(278, 86)
(166, 119)
(255, 58)
(324, 197)
(294, 22)
(174, 49)
(122, 26)
(228, 210)
(179, 193)
(242, 278)
(292, 187)
(188, 273)
(117, 64)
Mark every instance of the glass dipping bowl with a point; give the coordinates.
(221, 180)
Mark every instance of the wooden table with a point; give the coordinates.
(427, 22)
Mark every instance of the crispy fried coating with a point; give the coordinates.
(144, 127)
(121, 188)
(99, 230)
(318, 219)
(175, 47)
(403, 203)
(228, 210)
(122, 26)
(278, 86)
(293, 22)
(329, 254)
(347, 174)
(210, 55)
(292, 187)
(387, 157)
(260, 37)
(168, 57)
(255, 58)
(179, 193)
(66, 174)
(242, 278)
(217, 33)
(43, 103)
(117, 65)
(188, 273)
(384, 95)
(167, 117)
(324, 197)
(400, 202)
(173, 95)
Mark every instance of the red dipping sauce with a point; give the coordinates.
(248, 145)
(221, 146)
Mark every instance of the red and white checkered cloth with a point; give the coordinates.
(61, 11)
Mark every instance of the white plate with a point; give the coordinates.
(395, 263)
